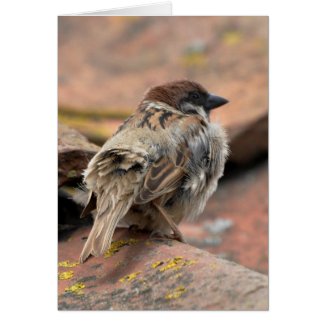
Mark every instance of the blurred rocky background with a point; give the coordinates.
(105, 66)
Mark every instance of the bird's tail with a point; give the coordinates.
(102, 231)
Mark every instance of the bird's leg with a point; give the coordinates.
(177, 233)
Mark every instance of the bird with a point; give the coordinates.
(161, 165)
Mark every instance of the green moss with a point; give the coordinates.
(72, 173)
(95, 113)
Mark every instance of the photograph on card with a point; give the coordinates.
(163, 163)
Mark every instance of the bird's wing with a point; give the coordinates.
(168, 172)
(115, 175)
(164, 176)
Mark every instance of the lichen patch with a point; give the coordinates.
(129, 277)
(67, 263)
(76, 288)
(66, 275)
(156, 264)
(177, 275)
(176, 293)
(117, 245)
(176, 263)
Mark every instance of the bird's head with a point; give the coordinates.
(186, 96)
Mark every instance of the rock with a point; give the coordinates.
(69, 214)
(218, 226)
(140, 274)
(196, 47)
(74, 153)
(249, 141)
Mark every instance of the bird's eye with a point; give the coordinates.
(195, 95)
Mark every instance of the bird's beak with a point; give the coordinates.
(214, 101)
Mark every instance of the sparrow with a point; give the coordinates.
(161, 165)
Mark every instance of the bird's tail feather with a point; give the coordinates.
(102, 231)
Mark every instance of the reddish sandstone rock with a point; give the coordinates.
(74, 153)
(249, 141)
(140, 274)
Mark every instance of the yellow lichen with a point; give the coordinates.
(213, 266)
(177, 275)
(143, 281)
(117, 245)
(189, 262)
(232, 37)
(194, 60)
(176, 293)
(175, 264)
(67, 263)
(156, 264)
(129, 277)
(66, 275)
(76, 288)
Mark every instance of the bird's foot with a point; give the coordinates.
(177, 236)
(157, 235)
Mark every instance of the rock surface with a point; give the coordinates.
(142, 274)
(74, 153)
(249, 141)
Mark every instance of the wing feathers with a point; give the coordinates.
(164, 176)
(114, 175)
(104, 226)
